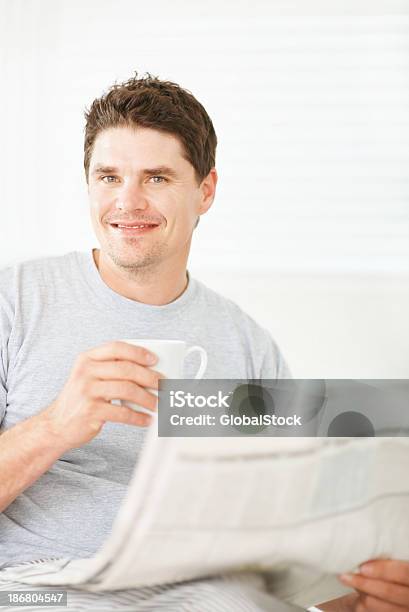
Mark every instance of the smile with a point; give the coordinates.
(133, 229)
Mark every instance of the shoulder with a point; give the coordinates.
(263, 354)
(226, 308)
(24, 279)
(33, 270)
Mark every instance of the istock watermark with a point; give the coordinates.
(181, 399)
(286, 407)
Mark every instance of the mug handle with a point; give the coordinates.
(203, 359)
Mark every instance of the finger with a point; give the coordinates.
(122, 414)
(124, 390)
(387, 569)
(388, 591)
(126, 370)
(368, 603)
(122, 350)
(359, 605)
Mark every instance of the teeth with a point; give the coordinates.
(132, 226)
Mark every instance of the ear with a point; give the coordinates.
(208, 191)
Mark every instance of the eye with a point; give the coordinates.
(107, 179)
(162, 179)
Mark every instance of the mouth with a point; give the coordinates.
(133, 230)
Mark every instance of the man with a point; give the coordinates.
(67, 453)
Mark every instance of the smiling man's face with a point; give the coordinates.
(144, 197)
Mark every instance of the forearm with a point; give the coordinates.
(27, 450)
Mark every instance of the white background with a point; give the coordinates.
(309, 231)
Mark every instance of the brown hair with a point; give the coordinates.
(161, 105)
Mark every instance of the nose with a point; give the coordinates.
(131, 197)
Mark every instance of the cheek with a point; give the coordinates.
(180, 210)
(93, 198)
(99, 203)
(180, 219)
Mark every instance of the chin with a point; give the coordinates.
(131, 261)
(121, 261)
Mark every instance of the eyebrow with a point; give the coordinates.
(99, 169)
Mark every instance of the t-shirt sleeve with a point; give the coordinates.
(274, 365)
(3, 376)
(3, 400)
(6, 322)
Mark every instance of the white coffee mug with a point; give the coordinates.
(171, 356)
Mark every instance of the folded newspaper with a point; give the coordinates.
(203, 506)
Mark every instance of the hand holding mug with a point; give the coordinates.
(113, 370)
(171, 356)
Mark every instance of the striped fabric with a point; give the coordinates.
(244, 592)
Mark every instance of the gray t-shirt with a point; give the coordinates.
(52, 309)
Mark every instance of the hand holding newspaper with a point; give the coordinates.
(201, 506)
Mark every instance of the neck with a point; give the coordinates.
(155, 287)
